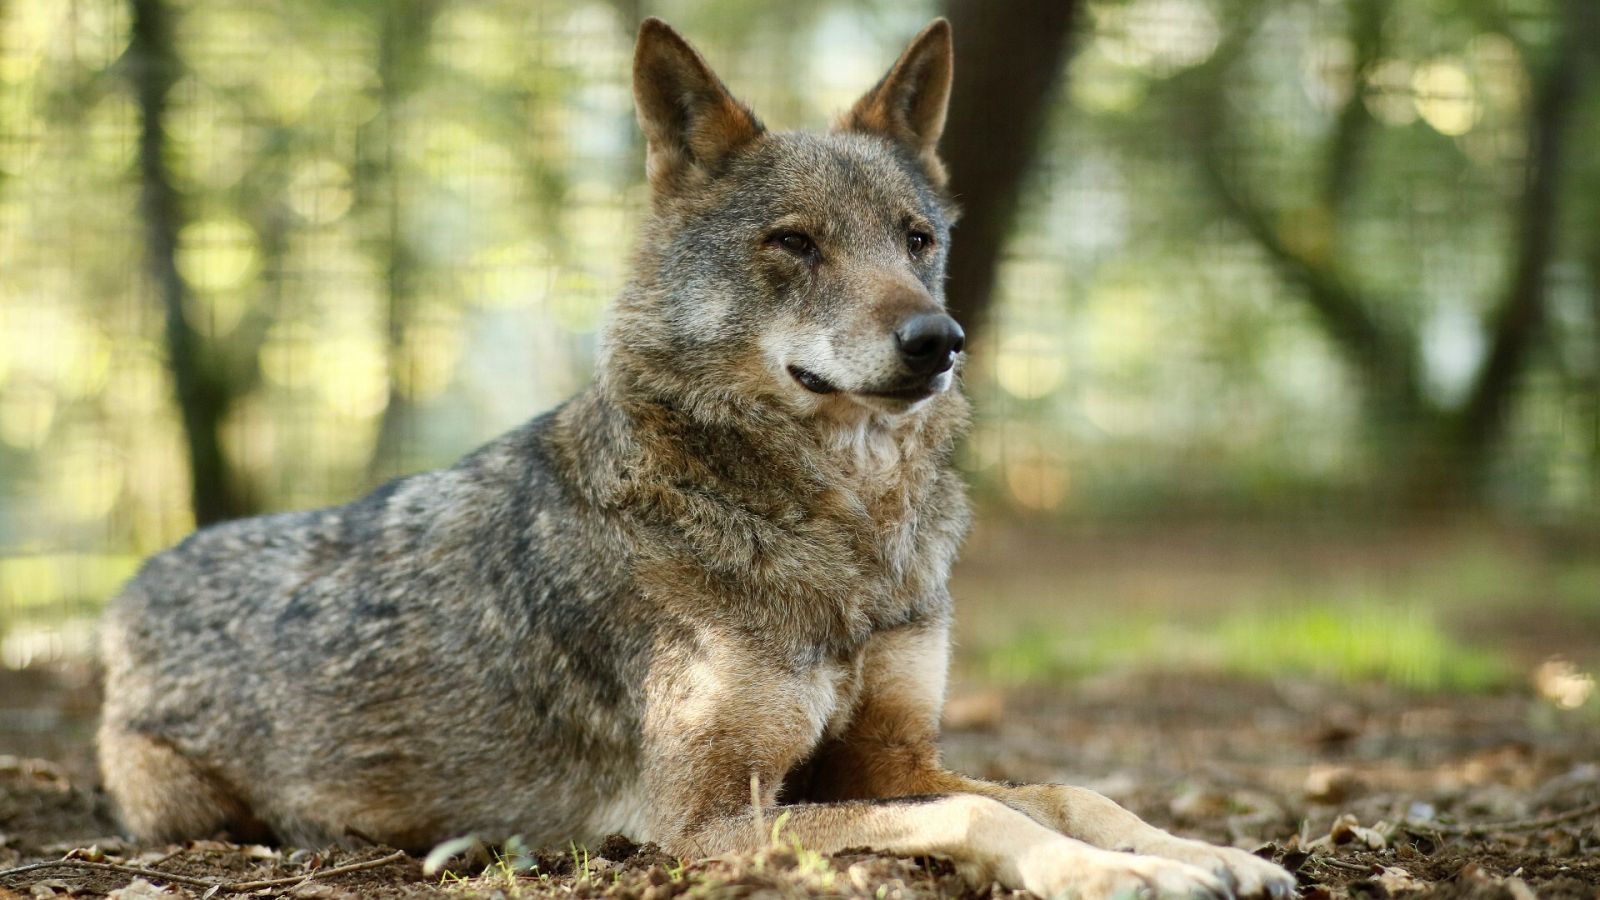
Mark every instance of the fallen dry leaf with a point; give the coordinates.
(49, 887)
(138, 889)
(1395, 880)
(1348, 830)
(1331, 784)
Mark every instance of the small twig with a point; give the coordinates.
(170, 857)
(1530, 824)
(229, 886)
(323, 873)
(140, 871)
(1332, 863)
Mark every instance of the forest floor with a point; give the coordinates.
(1389, 716)
(1363, 791)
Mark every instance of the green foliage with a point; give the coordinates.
(1456, 610)
(1404, 646)
(1333, 642)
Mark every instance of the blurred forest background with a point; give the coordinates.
(1286, 315)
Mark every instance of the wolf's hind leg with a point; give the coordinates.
(161, 795)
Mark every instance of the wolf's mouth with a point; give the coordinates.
(812, 382)
(910, 393)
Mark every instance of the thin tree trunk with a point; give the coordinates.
(1591, 385)
(1519, 321)
(1010, 57)
(1354, 122)
(203, 399)
(402, 49)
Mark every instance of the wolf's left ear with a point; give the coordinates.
(691, 122)
(909, 104)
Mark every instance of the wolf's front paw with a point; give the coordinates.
(1085, 873)
(1245, 874)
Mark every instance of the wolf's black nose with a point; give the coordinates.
(929, 342)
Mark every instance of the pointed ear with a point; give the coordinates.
(691, 123)
(909, 104)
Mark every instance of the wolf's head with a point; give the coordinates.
(800, 271)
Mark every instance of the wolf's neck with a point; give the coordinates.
(774, 519)
(746, 454)
(874, 450)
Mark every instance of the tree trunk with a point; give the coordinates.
(402, 53)
(1520, 318)
(203, 397)
(1010, 57)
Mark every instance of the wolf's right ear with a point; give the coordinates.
(690, 121)
(908, 106)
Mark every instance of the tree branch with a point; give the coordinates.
(1383, 360)
(1335, 303)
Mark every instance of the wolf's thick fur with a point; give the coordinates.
(724, 560)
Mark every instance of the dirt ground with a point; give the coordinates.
(1364, 792)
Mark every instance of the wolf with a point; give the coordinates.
(704, 593)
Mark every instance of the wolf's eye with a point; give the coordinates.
(796, 243)
(916, 242)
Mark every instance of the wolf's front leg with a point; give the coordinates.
(987, 840)
(890, 748)
(1077, 813)
(720, 715)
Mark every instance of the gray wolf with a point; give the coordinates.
(723, 564)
